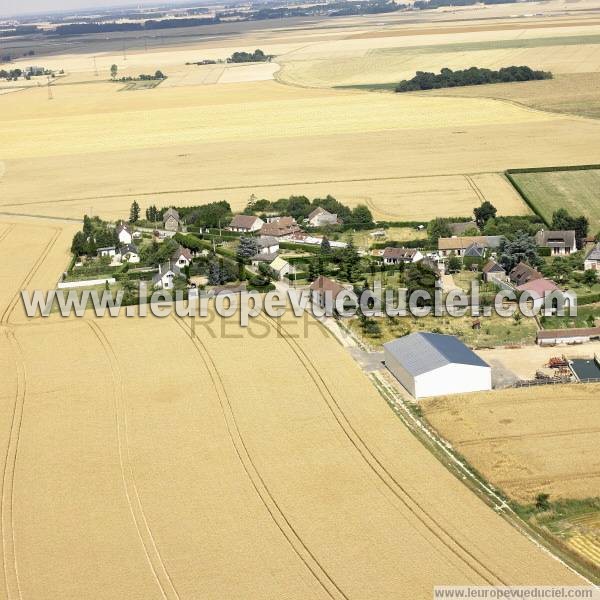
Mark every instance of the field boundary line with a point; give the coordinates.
(147, 540)
(5, 316)
(11, 571)
(379, 468)
(258, 483)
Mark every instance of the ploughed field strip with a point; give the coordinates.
(229, 477)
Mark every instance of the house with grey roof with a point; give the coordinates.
(561, 243)
(492, 272)
(129, 253)
(167, 273)
(124, 234)
(267, 245)
(171, 220)
(433, 364)
(592, 260)
(245, 223)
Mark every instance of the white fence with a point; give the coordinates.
(85, 283)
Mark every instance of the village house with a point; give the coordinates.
(164, 279)
(561, 243)
(320, 217)
(394, 256)
(107, 251)
(539, 290)
(124, 234)
(129, 254)
(474, 250)
(492, 272)
(592, 260)
(245, 224)
(280, 228)
(182, 257)
(280, 267)
(267, 245)
(324, 292)
(523, 273)
(458, 245)
(171, 220)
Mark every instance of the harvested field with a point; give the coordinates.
(572, 93)
(364, 63)
(527, 441)
(578, 191)
(285, 141)
(194, 486)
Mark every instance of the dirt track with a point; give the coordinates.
(141, 462)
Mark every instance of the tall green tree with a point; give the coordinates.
(134, 212)
(113, 71)
(361, 217)
(484, 213)
(521, 249)
(438, 228)
(247, 248)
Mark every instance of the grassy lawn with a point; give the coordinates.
(363, 239)
(577, 191)
(583, 318)
(495, 330)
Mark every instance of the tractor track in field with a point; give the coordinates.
(6, 232)
(11, 571)
(7, 312)
(475, 188)
(153, 556)
(429, 522)
(311, 562)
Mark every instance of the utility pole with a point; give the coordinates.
(95, 67)
(50, 94)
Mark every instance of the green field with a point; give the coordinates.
(576, 190)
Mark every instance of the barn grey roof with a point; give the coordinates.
(420, 352)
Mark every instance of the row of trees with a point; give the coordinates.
(474, 76)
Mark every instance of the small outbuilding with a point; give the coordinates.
(433, 364)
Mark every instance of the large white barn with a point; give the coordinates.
(431, 364)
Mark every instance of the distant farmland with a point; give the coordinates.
(577, 190)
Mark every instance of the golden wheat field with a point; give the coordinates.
(527, 441)
(216, 476)
(226, 131)
(145, 460)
